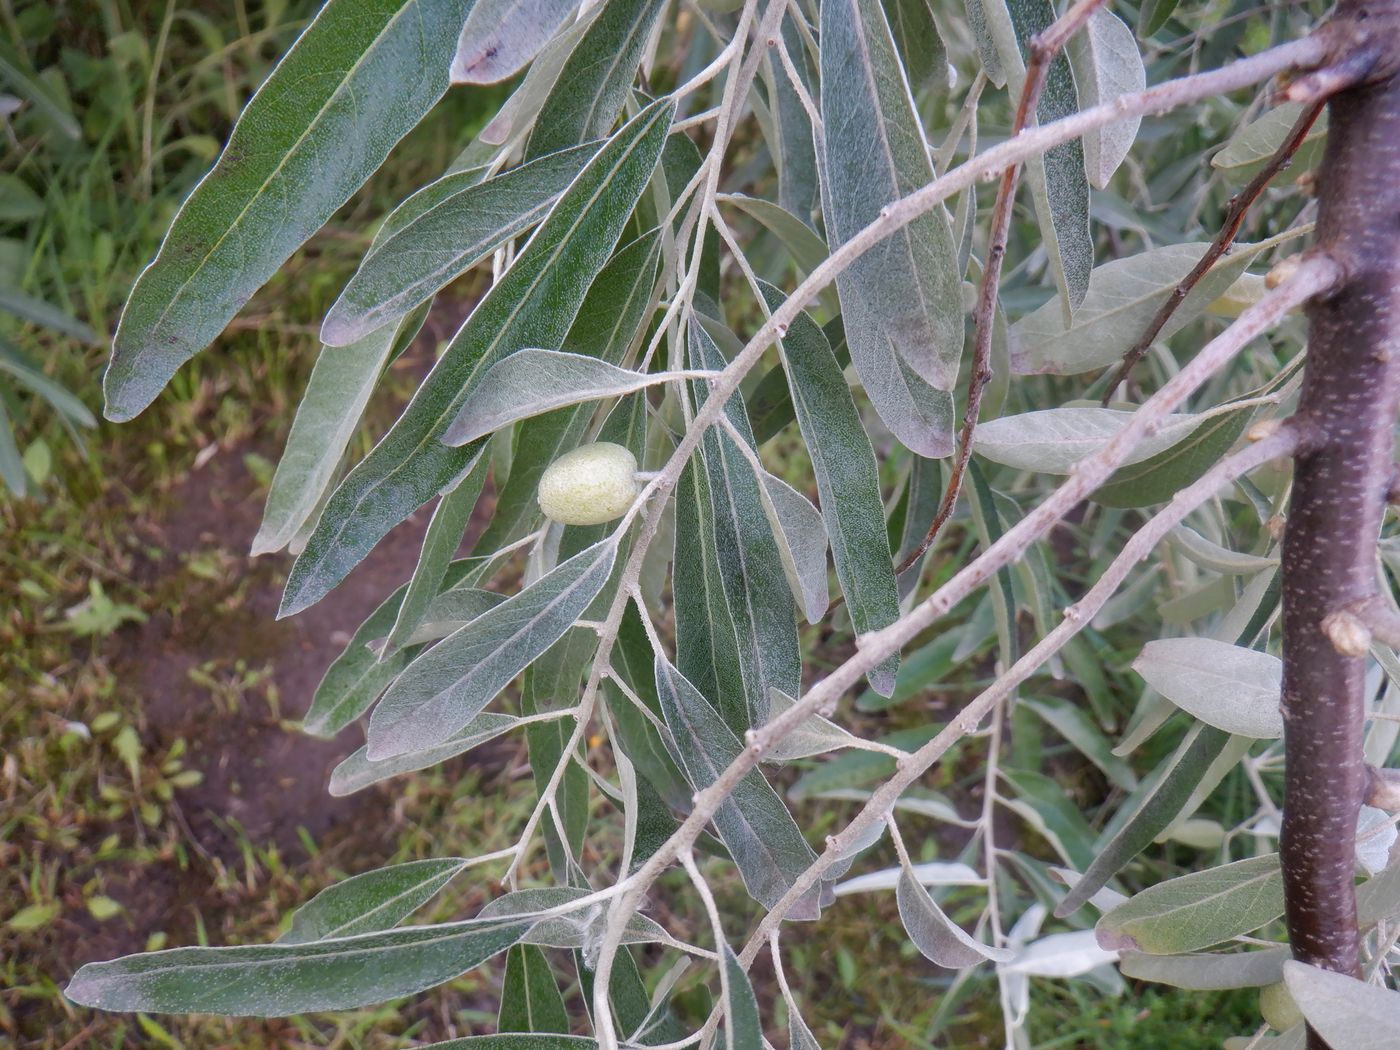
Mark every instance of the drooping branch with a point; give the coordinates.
(1235, 212)
(1349, 400)
(1043, 49)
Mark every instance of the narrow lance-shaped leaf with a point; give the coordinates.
(801, 536)
(753, 823)
(1207, 972)
(501, 36)
(517, 1041)
(920, 46)
(744, 593)
(742, 1028)
(440, 542)
(1106, 63)
(357, 772)
(936, 935)
(794, 151)
(278, 980)
(593, 84)
(448, 686)
(326, 419)
(607, 326)
(1349, 1014)
(530, 382)
(906, 290)
(455, 223)
(530, 999)
(356, 81)
(848, 481)
(532, 305)
(1197, 910)
(1231, 687)
(376, 900)
(1123, 296)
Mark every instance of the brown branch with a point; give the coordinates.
(1349, 400)
(1235, 212)
(1041, 52)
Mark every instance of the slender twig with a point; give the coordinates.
(1235, 212)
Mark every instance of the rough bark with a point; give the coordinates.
(1348, 407)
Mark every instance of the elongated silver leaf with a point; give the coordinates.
(935, 935)
(1205, 972)
(904, 295)
(376, 900)
(277, 980)
(357, 772)
(501, 36)
(801, 536)
(593, 84)
(356, 81)
(847, 479)
(1106, 63)
(530, 382)
(449, 685)
(456, 222)
(1123, 296)
(1349, 1014)
(753, 823)
(742, 1028)
(1231, 687)
(533, 304)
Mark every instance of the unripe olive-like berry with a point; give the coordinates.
(590, 485)
(1277, 1006)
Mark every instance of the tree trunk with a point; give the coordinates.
(1348, 406)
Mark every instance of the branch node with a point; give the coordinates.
(1347, 633)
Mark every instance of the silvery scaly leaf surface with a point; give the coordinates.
(501, 36)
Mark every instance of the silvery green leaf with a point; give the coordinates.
(801, 536)
(450, 611)
(736, 626)
(440, 542)
(1106, 63)
(608, 324)
(593, 84)
(1207, 972)
(793, 148)
(815, 735)
(533, 304)
(1159, 800)
(501, 36)
(326, 419)
(987, 51)
(1212, 556)
(356, 678)
(357, 772)
(1074, 724)
(1158, 478)
(742, 1028)
(754, 825)
(1059, 955)
(847, 479)
(1153, 15)
(441, 232)
(517, 1041)
(571, 929)
(1059, 188)
(1349, 1014)
(903, 297)
(278, 980)
(355, 82)
(530, 382)
(530, 999)
(376, 900)
(1227, 686)
(446, 687)
(920, 46)
(1375, 835)
(1197, 910)
(931, 873)
(1122, 297)
(806, 245)
(1250, 148)
(1053, 440)
(935, 935)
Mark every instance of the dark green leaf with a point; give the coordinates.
(530, 999)
(742, 1028)
(377, 900)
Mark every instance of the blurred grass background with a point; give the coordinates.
(117, 810)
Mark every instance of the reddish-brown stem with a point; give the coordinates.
(1349, 401)
(1040, 54)
(1235, 212)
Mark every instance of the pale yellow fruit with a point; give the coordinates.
(1277, 1007)
(590, 485)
